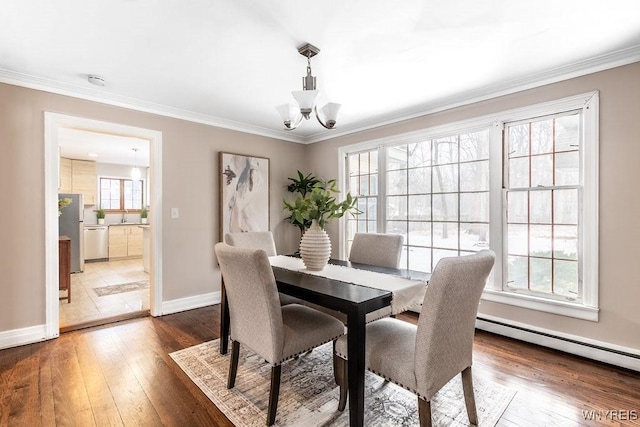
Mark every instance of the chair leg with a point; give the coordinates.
(424, 413)
(273, 394)
(340, 371)
(233, 364)
(469, 397)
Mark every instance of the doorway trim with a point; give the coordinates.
(53, 121)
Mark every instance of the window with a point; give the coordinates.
(120, 194)
(542, 181)
(522, 182)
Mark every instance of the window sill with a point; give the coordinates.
(561, 308)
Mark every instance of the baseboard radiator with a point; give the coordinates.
(623, 357)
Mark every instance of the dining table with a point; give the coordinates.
(352, 298)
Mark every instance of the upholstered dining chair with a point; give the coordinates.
(276, 333)
(259, 240)
(424, 358)
(383, 250)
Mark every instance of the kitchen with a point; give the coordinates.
(106, 177)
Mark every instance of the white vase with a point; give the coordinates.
(315, 248)
(144, 220)
(100, 220)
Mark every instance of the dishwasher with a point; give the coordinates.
(96, 242)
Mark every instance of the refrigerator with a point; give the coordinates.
(70, 224)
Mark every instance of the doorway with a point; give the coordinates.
(104, 273)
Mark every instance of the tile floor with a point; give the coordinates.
(87, 306)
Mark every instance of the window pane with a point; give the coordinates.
(445, 207)
(420, 259)
(474, 176)
(364, 184)
(420, 181)
(567, 168)
(518, 272)
(354, 164)
(445, 179)
(445, 150)
(519, 140)
(419, 234)
(397, 227)
(438, 254)
(397, 182)
(542, 170)
(373, 184)
(519, 172)
(373, 161)
(397, 157)
(518, 239)
(565, 275)
(420, 154)
(517, 207)
(540, 275)
(420, 208)
(474, 146)
(565, 242)
(397, 207)
(445, 235)
(541, 133)
(474, 236)
(474, 207)
(540, 205)
(540, 240)
(567, 133)
(565, 206)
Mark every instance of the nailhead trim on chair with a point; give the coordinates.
(303, 351)
(388, 379)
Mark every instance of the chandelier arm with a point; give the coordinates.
(331, 126)
(296, 123)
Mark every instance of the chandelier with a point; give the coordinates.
(292, 115)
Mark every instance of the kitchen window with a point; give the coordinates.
(119, 194)
(522, 182)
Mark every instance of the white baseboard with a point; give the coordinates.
(17, 337)
(189, 303)
(613, 354)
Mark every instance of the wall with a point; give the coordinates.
(190, 166)
(619, 88)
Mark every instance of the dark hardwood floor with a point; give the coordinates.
(121, 374)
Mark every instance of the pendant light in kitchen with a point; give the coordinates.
(135, 172)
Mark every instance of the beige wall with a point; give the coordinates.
(190, 166)
(619, 200)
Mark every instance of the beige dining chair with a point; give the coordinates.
(423, 358)
(383, 250)
(258, 322)
(259, 240)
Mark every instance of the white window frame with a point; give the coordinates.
(587, 309)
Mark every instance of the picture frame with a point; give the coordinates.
(244, 193)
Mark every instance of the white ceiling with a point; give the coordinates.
(103, 148)
(229, 63)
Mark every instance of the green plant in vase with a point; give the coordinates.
(100, 214)
(144, 214)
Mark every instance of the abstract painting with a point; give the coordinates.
(244, 193)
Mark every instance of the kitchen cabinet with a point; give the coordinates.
(84, 180)
(125, 241)
(66, 185)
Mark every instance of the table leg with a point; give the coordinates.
(356, 366)
(224, 320)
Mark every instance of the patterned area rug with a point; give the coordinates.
(309, 395)
(118, 289)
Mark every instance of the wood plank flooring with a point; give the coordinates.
(121, 375)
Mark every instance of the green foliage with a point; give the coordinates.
(316, 201)
(63, 203)
(144, 213)
(100, 213)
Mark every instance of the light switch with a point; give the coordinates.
(175, 213)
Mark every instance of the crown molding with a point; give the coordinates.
(75, 91)
(566, 72)
(580, 68)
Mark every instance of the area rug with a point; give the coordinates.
(309, 395)
(118, 289)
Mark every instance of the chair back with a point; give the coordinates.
(446, 326)
(383, 250)
(253, 240)
(254, 307)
